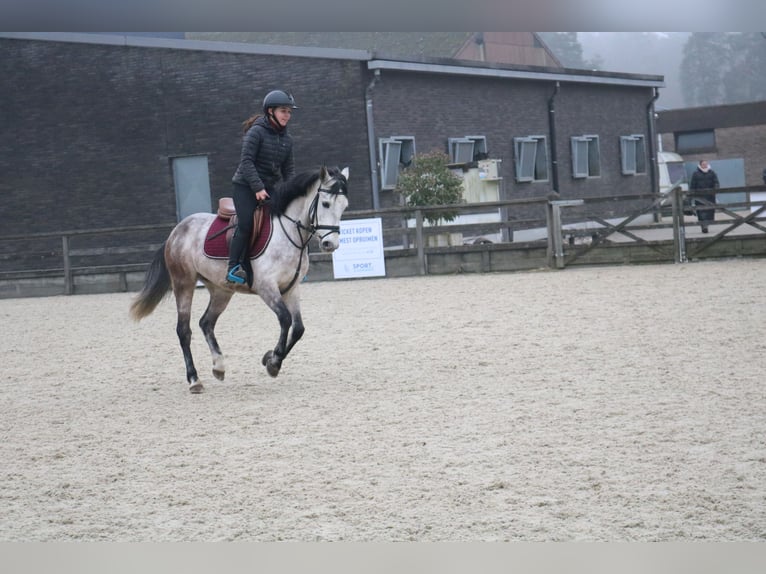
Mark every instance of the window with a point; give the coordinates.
(467, 149)
(395, 152)
(633, 153)
(460, 150)
(695, 142)
(531, 158)
(586, 158)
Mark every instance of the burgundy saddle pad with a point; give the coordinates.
(216, 246)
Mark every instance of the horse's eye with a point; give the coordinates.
(326, 204)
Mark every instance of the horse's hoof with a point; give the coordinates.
(219, 374)
(196, 388)
(271, 363)
(272, 367)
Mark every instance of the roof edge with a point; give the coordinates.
(183, 44)
(458, 67)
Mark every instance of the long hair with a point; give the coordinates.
(248, 123)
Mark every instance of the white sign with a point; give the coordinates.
(361, 249)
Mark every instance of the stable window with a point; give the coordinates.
(586, 157)
(531, 158)
(467, 149)
(695, 142)
(633, 154)
(395, 153)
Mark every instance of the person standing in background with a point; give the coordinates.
(704, 179)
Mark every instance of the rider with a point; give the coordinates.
(265, 162)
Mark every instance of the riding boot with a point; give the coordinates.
(235, 272)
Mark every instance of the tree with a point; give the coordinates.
(723, 68)
(428, 181)
(566, 47)
(745, 80)
(703, 67)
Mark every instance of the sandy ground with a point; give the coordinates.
(603, 404)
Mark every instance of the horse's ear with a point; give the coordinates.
(323, 174)
(345, 173)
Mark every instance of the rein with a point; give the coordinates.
(338, 188)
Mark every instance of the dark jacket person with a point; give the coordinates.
(266, 160)
(704, 179)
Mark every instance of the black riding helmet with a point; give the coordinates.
(277, 98)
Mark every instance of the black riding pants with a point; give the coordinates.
(245, 204)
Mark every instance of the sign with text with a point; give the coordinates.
(361, 249)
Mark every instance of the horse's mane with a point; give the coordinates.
(296, 186)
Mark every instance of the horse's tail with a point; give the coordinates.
(156, 286)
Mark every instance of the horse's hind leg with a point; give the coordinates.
(219, 299)
(184, 293)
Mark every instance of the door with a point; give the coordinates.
(192, 184)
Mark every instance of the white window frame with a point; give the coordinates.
(530, 158)
(586, 156)
(460, 150)
(466, 149)
(395, 152)
(633, 154)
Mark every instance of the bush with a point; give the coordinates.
(428, 181)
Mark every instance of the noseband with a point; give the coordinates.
(338, 188)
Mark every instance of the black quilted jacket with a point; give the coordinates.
(704, 180)
(267, 157)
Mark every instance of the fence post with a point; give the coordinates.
(555, 234)
(558, 240)
(68, 287)
(549, 225)
(679, 231)
(419, 241)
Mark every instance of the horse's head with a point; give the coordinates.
(331, 202)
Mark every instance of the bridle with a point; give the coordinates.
(337, 188)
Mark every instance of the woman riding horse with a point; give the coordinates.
(265, 162)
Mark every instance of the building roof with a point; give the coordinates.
(375, 61)
(525, 48)
(383, 44)
(711, 117)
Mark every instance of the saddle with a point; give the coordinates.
(227, 212)
(222, 229)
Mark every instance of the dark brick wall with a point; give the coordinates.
(608, 112)
(433, 108)
(87, 132)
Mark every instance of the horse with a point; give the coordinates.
(310, 204)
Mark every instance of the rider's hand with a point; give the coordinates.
(262, 195)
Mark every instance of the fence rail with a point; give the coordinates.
(568, 230)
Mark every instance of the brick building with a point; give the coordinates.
(733, 132)
(97, 129)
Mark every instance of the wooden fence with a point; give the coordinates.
(535, 232)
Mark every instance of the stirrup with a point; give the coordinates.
(237, 275)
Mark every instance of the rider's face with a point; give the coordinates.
(283, 114)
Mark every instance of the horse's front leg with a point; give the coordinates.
(291, 330)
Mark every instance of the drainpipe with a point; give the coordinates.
(479, 39)
(552, 132)
(371, 142)
(651, 138)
